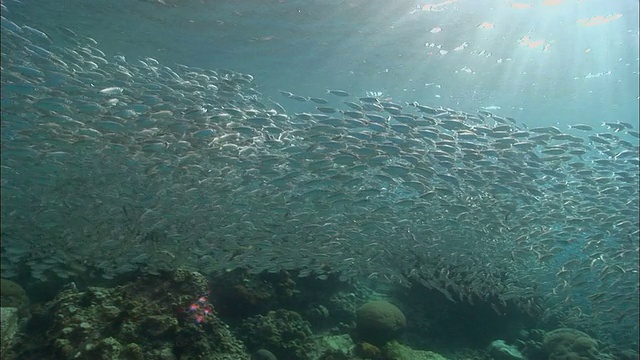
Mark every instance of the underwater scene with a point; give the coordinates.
(320, 179)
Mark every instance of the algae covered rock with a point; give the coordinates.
(570, 344)
(379, 321)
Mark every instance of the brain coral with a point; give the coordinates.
(379, 321)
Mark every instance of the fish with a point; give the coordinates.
(582, 127)
(340, 93)
(299, 98)
(326, 109)
(113, 90)
(120, 159)
(318, 100)
(369, 99)
(615, 126)
(353, 105)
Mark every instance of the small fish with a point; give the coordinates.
(598, 139)
(372, 107)
(353, 105)
(278, 107)
(114, 90)
(326, 109)
(626, 124)
(304, 116)
(635, 134)
(369, 99)
(354, 114)
(393, 110)
(39, 34)
(616, 127)
(377, 118)
(582, 127)
(298, 98)
(341, 93)
(319, 100)
(552, 130)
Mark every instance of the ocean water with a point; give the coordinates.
(96, 180)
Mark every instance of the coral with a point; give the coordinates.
(146, 319)
(393, 350)
(282, 332)
(570, 344)
(379, 321)
(12, 295)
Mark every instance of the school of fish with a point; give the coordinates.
(112, 165)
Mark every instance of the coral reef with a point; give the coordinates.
(270, 316)
(156, 317)
(378, 322)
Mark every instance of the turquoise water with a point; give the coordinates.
(122, 152)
